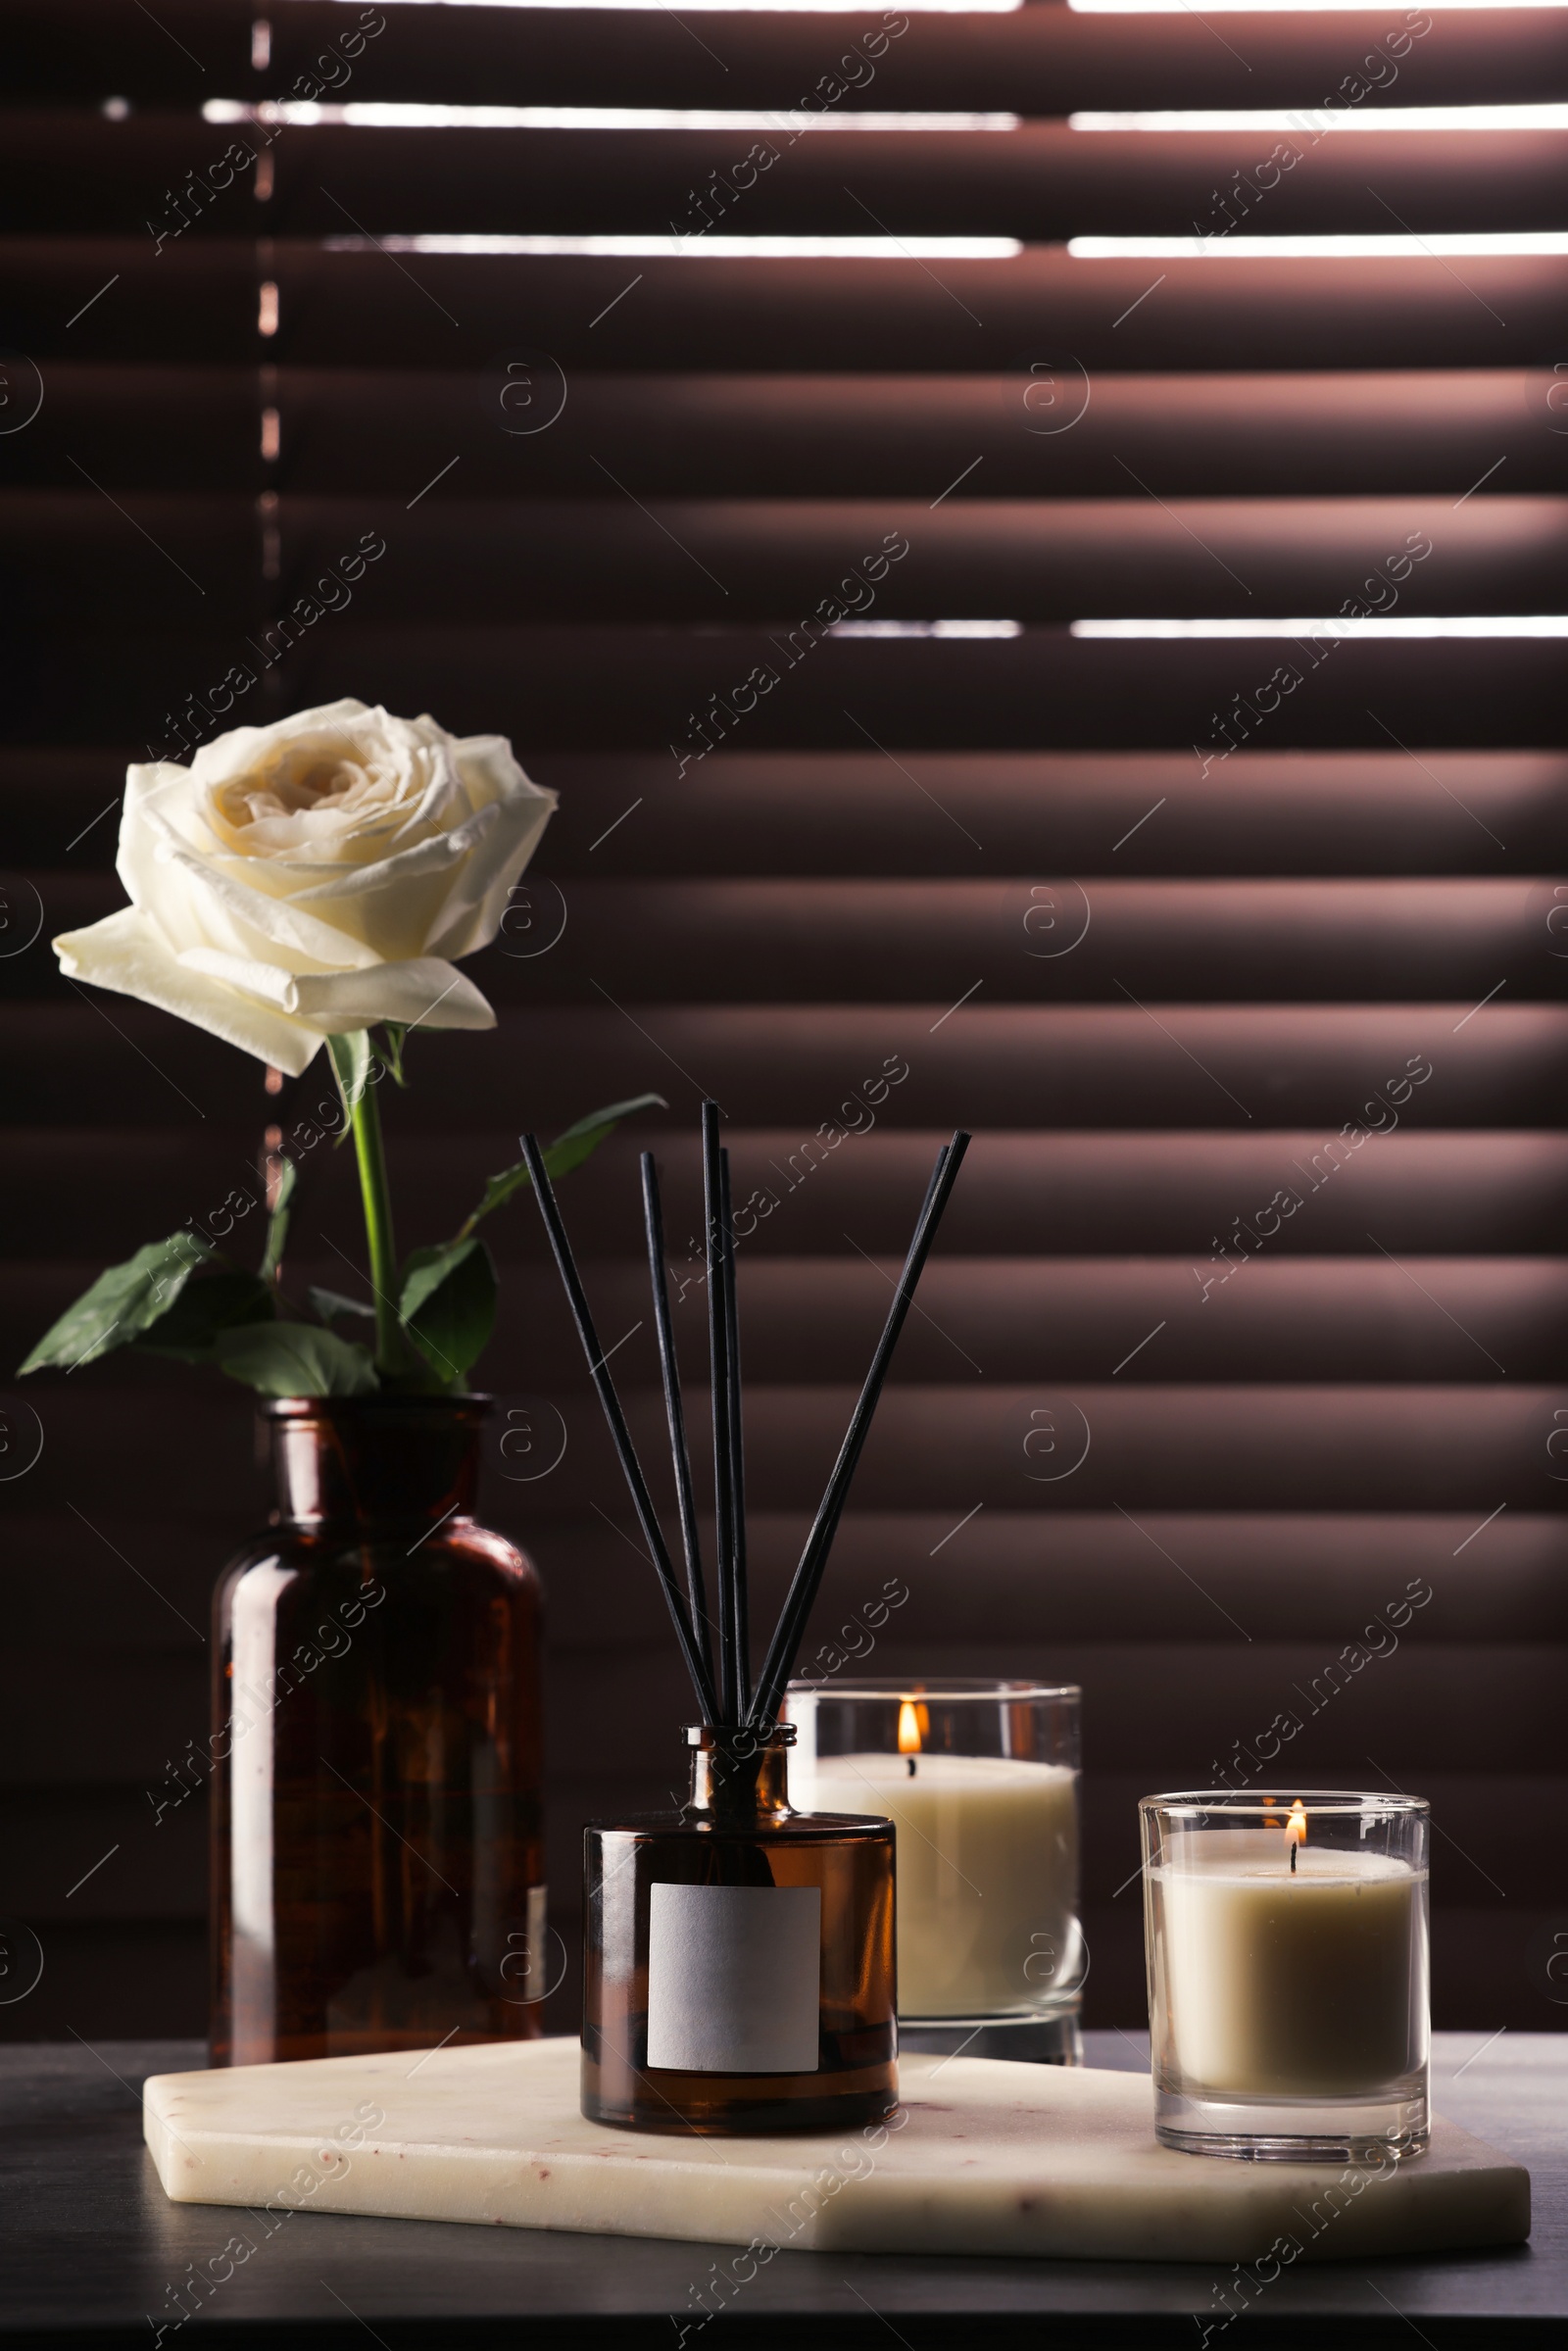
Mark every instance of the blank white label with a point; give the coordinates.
(734, 1976)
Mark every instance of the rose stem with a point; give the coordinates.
(375, 1193)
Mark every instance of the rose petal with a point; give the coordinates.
(244, 748)
(125, 953)
(423, 993)
(476, 904)
(199, 901)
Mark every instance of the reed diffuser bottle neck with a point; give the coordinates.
(740, 1777)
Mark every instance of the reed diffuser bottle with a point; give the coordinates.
(739, 1968)
(739, 1957)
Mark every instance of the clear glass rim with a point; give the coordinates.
(1341, 1802)
(958, 1690)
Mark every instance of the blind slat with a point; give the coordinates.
(841, 814)
(1227, 1067)
(647, 689)
(1025, 941)
(1328, 1569)
(196, 300)
(1041, 60)
(797, 564)
(150, 428)
(1245, 1446)
(1046, 1319)
(1043, 181)
(1423, 1193)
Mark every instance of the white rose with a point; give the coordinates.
(314, 877)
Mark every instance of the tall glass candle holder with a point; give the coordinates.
(1288, 1974)
(980, 1781)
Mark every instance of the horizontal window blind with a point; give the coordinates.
(1046, 626)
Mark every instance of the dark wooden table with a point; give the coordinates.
(92, 2253)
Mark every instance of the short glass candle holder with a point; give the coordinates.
(738, 1958)
(980, 1781)
(1286, 1943)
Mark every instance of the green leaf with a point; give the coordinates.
(579, 1142)
(448, 1305)
(352, 1058)
(121, 1303)
(295, 1359)
(568, 1151)
(288, 1175)
(330, 1304)
(394, 1032)
(205, 1307)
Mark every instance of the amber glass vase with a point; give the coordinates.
(377, 1867)
(738, 1961)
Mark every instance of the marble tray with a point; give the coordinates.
(984, 2158)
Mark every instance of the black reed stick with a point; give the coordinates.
(674, 1409)
(737, 1449)
(808, 1577)
(642, 1500)
(718, 1360)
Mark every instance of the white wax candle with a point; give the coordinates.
(1293, 1984)
(987, 1873)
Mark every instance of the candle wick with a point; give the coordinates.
(911, 1761)
(1293, 1856)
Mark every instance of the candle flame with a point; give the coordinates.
(910, 1728)
(1296, 1826)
